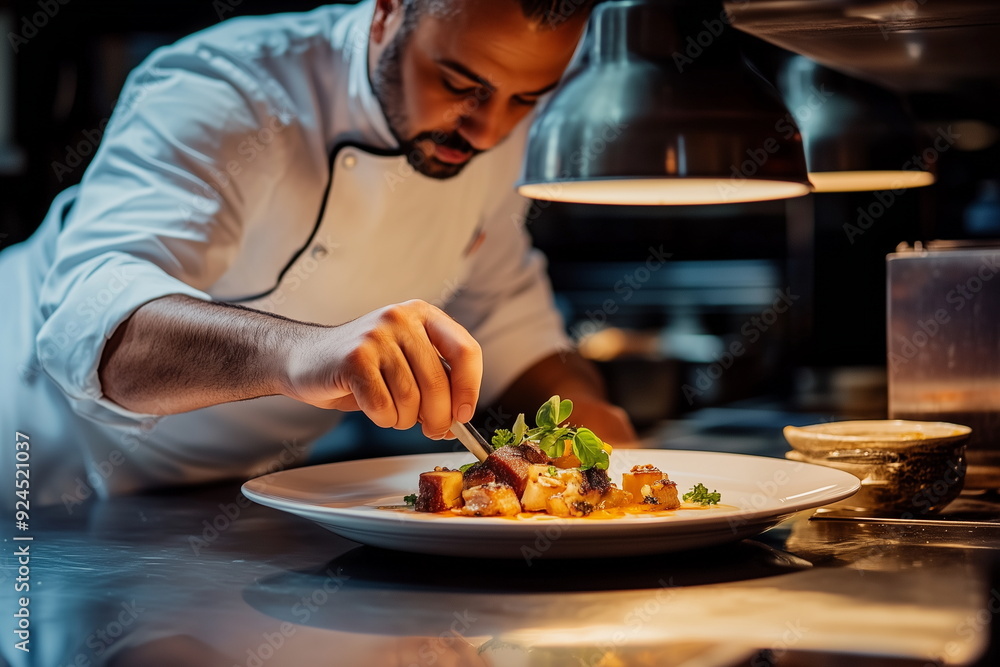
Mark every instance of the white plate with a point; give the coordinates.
(758, 492)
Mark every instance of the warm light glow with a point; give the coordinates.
(664, 191)
(869, 181)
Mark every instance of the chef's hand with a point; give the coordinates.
(386, 364)
(177, 354)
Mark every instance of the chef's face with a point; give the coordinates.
(454, 86)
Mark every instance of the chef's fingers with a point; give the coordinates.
(403, 386)
(465, 357)
(435, 389)
(373, 396)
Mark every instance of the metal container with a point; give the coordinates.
(944, 344)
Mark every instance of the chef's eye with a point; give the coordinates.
(524, 101)
(456, 90)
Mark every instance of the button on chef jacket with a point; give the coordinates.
(250, 163)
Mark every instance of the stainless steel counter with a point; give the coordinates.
(204, 578)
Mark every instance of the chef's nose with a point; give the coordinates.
(488, 124)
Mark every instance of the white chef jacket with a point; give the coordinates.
(250, 163)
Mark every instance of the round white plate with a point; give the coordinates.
(757, 493)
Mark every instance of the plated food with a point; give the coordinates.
(554, 468)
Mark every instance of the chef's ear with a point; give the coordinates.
(387, 14)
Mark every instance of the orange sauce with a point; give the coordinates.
(597, 515)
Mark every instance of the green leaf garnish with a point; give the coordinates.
(520, 428)
(549, 435)
(552, 443)
(700, 494)
(553, 412)
(462, 469)
(589, 449)
(553, 471)
(410, 499)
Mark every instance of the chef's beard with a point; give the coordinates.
(387, 82)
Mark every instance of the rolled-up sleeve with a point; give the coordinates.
(506, 301)
(158, 213)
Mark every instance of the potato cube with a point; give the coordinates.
(490, 500)
(640, 476)
(542, 485)
(662, 494)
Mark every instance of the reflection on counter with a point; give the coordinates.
(203, 579)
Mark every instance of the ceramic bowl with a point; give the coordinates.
(908, 468)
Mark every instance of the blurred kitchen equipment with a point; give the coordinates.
(944, 344)
(907, 467)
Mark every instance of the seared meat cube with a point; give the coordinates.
(439, 490)
(531, 452)
(490, 500)
(508, 465)
(479, 474)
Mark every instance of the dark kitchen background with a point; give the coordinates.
(658, 297)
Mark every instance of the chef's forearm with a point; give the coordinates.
(178, 353)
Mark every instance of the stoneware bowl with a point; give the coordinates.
(906, 468)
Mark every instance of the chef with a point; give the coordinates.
(290, 217)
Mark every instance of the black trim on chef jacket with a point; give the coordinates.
(335, 153)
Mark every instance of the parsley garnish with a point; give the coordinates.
(502, 437)
(410, 499)
(700, 494)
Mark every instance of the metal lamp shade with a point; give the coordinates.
(661, 110)
(858, 137)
